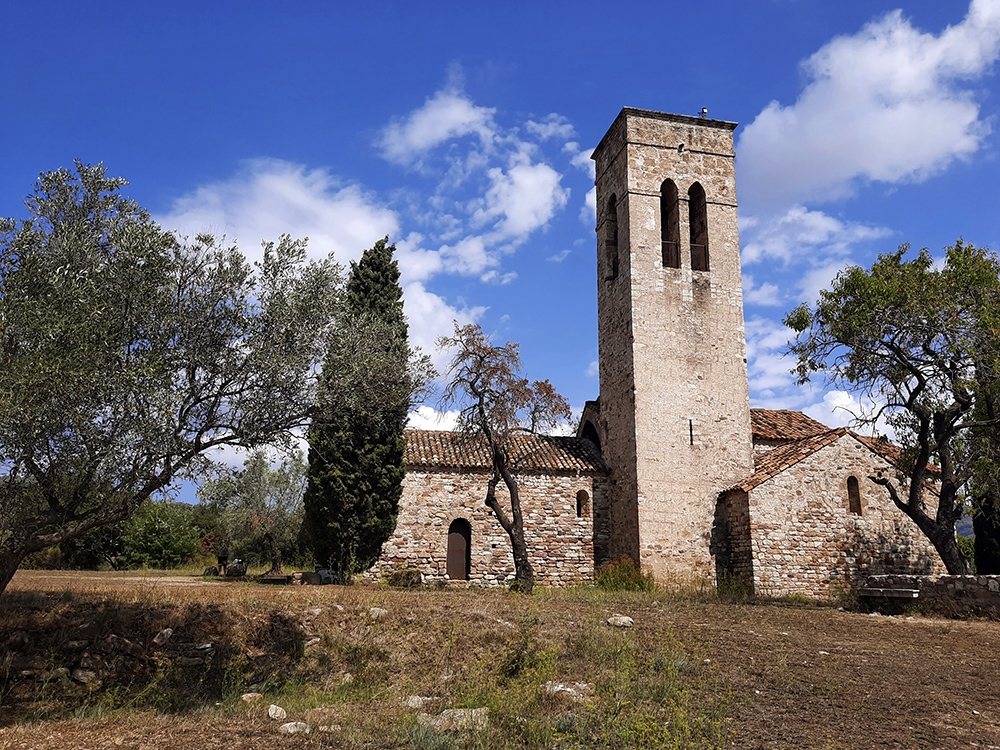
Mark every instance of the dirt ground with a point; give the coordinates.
(791, 675)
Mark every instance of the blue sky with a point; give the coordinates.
(463, 131)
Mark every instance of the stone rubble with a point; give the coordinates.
(578, 692)
(276, 712)
(620, 621)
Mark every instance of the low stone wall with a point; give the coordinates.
(950, 595)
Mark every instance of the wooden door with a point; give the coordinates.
(459, 542)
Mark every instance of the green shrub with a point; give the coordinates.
(160, 535)
(623, 574)
(968, 545)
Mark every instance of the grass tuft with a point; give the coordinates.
(623, 574)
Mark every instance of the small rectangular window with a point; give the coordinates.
(854, 496)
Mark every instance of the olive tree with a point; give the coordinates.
(922, 341)
(128, 355)
(259, 507)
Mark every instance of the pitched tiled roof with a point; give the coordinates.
(775, 461)
(891, 452)
(532, 453)
(782, 424)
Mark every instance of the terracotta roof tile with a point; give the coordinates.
(891, 452)
(532, 453)
(783, 424)
(775, 461)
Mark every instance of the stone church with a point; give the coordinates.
(670, 467)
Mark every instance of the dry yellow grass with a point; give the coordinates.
(693, 672)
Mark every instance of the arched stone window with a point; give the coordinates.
(590, 433)
(698, 216)
(459, 549)
(611, 239)
(854, 495)
(582, 504)
(670, 225)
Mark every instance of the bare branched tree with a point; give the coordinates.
(495, 404)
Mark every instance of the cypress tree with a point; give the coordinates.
(356, 442)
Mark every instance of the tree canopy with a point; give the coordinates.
(921, 341)
(356, 442)
(129, 354)
(495, 402)
(259, 507)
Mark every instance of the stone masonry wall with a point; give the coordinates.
(615, 348)
(805, 539)
(945, 594)
(731, 539)
(560, 544)
(674, 395)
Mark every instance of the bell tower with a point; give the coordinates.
(674, 406)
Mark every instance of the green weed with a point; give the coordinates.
(623, 574)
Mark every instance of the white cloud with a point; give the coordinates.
(524, 199)
(431, 317)
(488, 192)
(768, 367)
(818, 278)
(500, 279)
(559, 257)
(843, 409)
(428, 418)
(886, 104)
(565, 429)
(593, 369)
(765, 295)
(270, 197)
(467, 256)
(551, 126)
(417, 263)
(588, 213)
(581, 159)
(446, 115)
(801, 234)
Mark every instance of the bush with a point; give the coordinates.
(623, 574)
(160, 535)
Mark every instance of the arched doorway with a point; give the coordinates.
(459, 549)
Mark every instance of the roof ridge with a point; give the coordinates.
(774, 461)
(532, 453)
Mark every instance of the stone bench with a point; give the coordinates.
(870, 591)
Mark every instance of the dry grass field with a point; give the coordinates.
(693, 672)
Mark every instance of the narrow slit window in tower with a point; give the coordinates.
(854, 495)
(611, 239)
(698, 216)
(670, 228)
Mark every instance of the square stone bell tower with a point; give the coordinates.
(674, 405)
